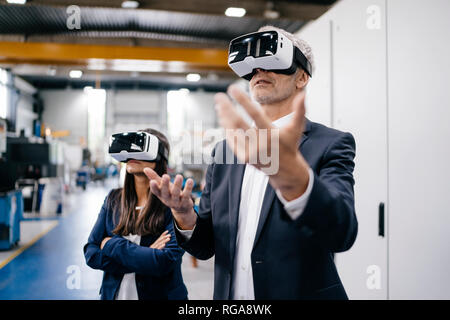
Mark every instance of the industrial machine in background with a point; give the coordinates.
(34, 167)
(11, 209)
(11, 202)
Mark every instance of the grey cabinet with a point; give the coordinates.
(419, 148)
(383, 77)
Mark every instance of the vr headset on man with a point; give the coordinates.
(137, 145)
(268, 50)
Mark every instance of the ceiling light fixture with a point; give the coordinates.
(235, 12)
(130, 4)
(193, 77)
(17, 1)
(75, 73)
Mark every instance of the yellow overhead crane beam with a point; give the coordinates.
(81, 54)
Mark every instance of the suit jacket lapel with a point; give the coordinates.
(234, 199)
(305, 133)
(269, 195)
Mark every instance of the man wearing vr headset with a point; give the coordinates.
(273, 235)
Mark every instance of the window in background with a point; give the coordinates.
(4, 93)
(176, 105)
(177, 102)
(96, 102)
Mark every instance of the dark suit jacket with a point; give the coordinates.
(291, 259)
(158, 272)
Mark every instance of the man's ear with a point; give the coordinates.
(301, 79)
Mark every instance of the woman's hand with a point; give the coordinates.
(160, 243)
(104, 241)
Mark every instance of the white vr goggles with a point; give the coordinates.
(136, 145)
(268, 50)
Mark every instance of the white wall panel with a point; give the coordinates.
(419, 148)
(318, 101)
(389, 87)
(348, 92)
(359, 83)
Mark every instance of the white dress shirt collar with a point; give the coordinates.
(281, 122)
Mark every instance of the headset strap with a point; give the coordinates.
(162, 152)
(303, 61)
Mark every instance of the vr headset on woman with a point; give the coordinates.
(137, 145)
(268, 50)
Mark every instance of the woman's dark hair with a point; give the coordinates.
(124, 201)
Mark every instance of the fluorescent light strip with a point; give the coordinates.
(130, 4)
(16, 1)
(193, 77)
(235, 12)
(75, 73)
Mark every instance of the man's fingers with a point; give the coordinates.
(155, 189)
(152, 175)
(165, 184)
(155, 181)
(188, 189)
(176, 188)
(250, 107)
(229, 118)
(298, 119)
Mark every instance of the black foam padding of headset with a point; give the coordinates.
(300, 61)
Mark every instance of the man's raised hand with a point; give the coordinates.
(291, 175)
(171, 194)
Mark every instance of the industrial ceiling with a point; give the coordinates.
(153, 45)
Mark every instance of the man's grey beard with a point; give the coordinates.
(271, 99)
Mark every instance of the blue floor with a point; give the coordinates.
(54, 267)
